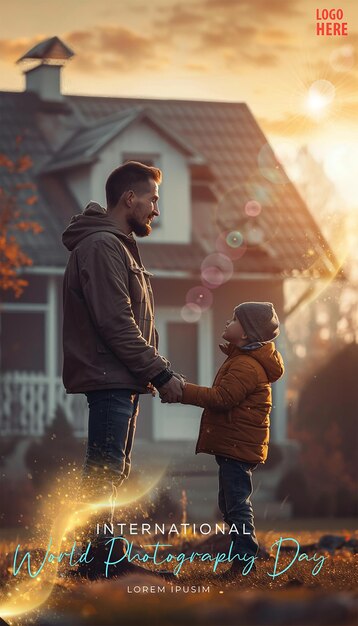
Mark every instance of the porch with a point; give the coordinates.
(28, 401)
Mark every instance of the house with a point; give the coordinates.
(232, 228)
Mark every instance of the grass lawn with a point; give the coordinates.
(296, 597)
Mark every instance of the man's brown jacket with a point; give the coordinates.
(109, 336)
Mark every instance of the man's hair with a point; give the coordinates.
(131, 175)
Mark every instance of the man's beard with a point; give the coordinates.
(138, 228)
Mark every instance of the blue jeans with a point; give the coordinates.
(235, 489)
(111, 427)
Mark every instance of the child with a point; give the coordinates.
(235, 422)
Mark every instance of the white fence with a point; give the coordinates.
(25, 404)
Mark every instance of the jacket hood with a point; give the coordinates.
(94, 218)
(270, 359)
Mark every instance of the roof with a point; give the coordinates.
(224, 137)
(52, 48)
(85, 144)
(17, 113)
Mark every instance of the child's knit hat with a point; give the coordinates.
(259, 320)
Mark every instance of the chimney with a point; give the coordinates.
(45, 78)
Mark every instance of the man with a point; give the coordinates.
(109, 337)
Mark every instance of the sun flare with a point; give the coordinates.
(320, 95)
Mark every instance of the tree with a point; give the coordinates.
(16, 197)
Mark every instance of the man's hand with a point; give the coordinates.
(180, 377)
(172, 391)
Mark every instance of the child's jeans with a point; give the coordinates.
(235, 489)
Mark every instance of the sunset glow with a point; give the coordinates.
(266, 54)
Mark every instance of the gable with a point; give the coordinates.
(138, 141)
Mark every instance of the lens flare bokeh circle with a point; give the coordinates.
(234, 239)
(253, 208)
(191, 313)
(212, 277)
(342, 58)
(232, 252)
(255, 236)
(201, 296)
(216, 269)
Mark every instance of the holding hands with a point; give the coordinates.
(172, 391)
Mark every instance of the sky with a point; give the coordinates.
(302, 88)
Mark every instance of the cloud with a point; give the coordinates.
(232, 30)
(204, 13)
(105, 48)
(79, 37)
(12, 49)
(237, 46)
(258, 9)
(262, 59)
(108, 48)
(352, 38)
(180, 18)
(233, 36)
(275, 35)
(197, 67)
